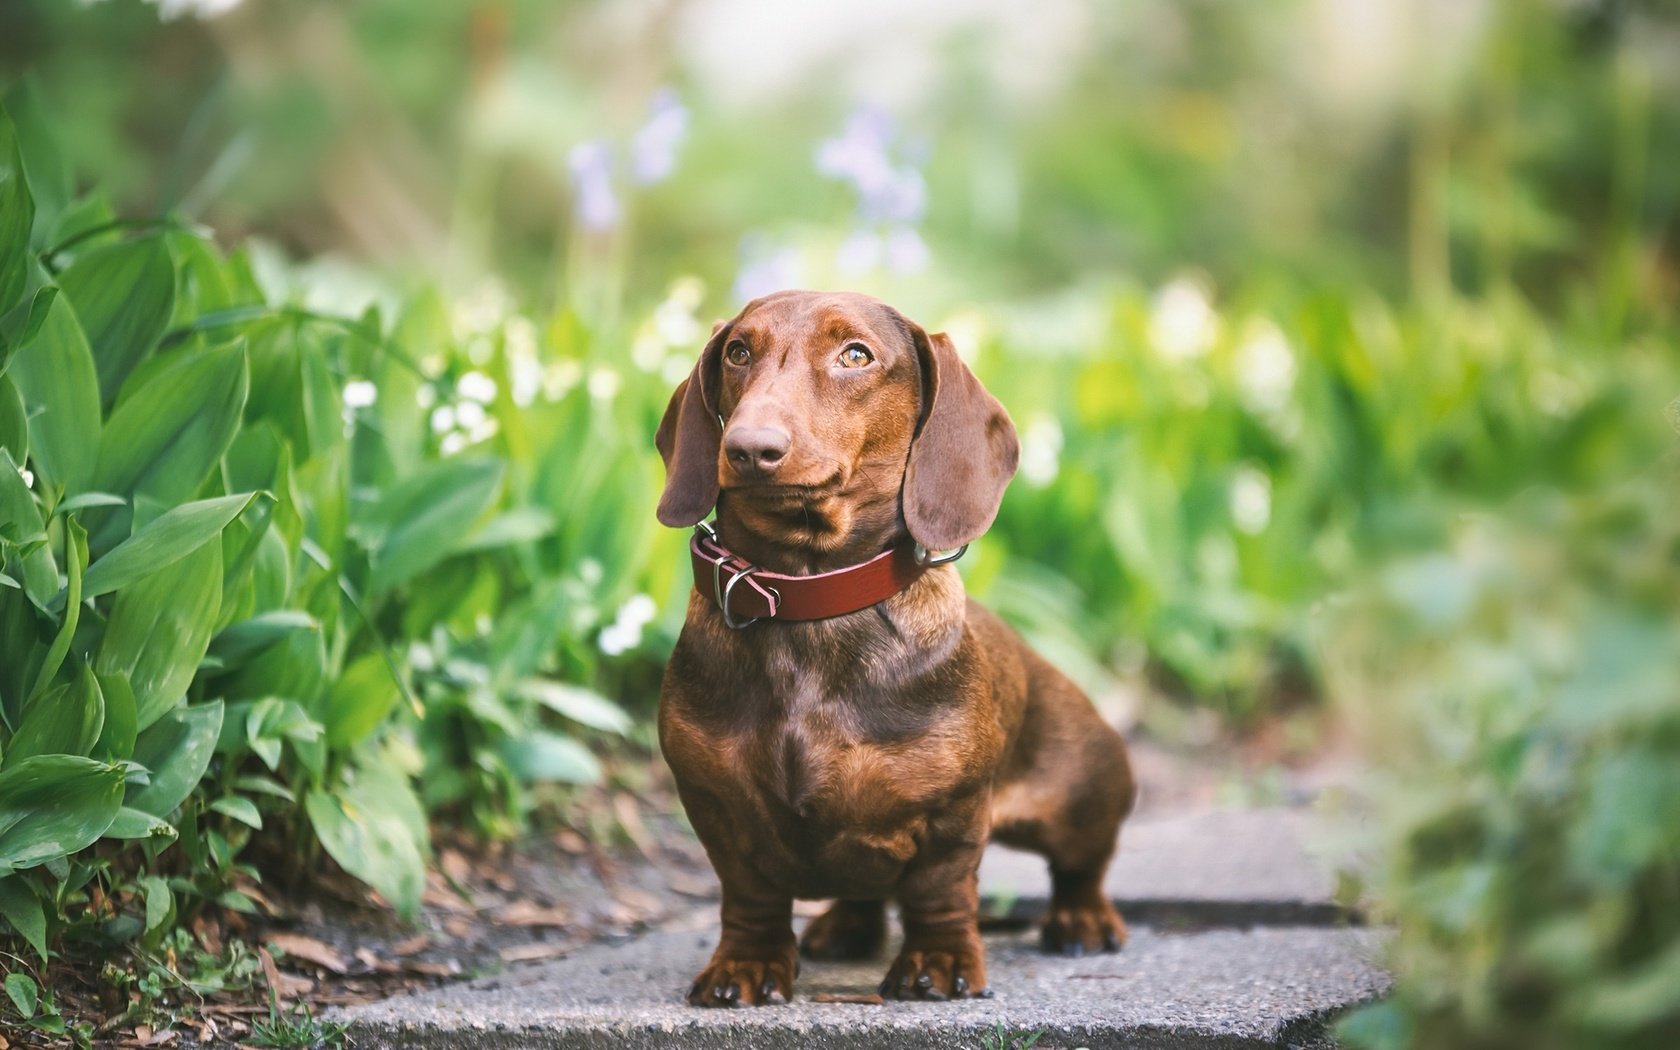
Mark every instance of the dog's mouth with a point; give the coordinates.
(785, 491)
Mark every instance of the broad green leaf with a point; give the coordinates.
(20, 326)
(240, 809)
(14, 423)
(53, 805)
(577, 703)
(294, 667)
(424, 517)
(22, 908)
(123, 294)
(177, 750)
(17, 506)
(50, 181)
(60, 389)
(89, 499)
(75, 560)
(17, 215)
(159, 630)
(272, 721)
(116, 738)
(165, 438)
(376, 831)
(520, 525)
(133, 824)
(541, 755)
(62, 721)
(25, 996)
(174, 535)
(359, 701)
(237, 643)
(265, 786)
(160, 903)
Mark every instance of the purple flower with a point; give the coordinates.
(653, 150)
(906, 251)
(765, 270)
(595, 204)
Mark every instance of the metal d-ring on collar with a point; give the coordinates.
(721, 591)
(928, 559)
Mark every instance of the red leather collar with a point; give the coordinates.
(746, 593)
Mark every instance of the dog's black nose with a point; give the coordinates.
(756, 450)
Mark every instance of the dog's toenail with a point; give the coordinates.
(984, 993)
(924, 981)
(962, 985)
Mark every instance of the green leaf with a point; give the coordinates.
(90, 499)
(576, 703)
(20, 988)
(160, 628)
(424, 517)
(17, 215)
(53, 805)
(520, 525)
(14, 422)
(123, 293)
(541, 755)
(173, 535)
(62, 721)
(177, 750)
(20, 906)
(375, 829)
(50, 182)
(133, 824)
(60, 389)
(240, 809)
(20, 325)
(75, 558)
(272, 721)
(17, 506)
(359, 701)
(264, 786)
(238, 642)
(160, 903)
(116, 737)
(165, 437)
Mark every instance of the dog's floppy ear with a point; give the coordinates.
(963, 455)
(689, 437)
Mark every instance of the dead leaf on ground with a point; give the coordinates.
(536, 951)
(368, 958)
(571, 842)
(447, 968)
(862, 1000)
(454, 866)
(690, 885)
(410, 945)
(630, 819)
(297, 946)
(530, 913)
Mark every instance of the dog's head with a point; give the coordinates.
(811, 398)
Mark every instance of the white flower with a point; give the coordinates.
(639, 609)
(426, 395)
(469, 414)
(603, 384)
(676, 324)
(1182, 322)
(476, 386)
(590, 572)
(559, 378)
(1041, 449)
(359, 393)
(616, 638)
(1265, 369)
(1251, 500)
(28, 477)
(169, 10)
(443, 418)
(452, 442)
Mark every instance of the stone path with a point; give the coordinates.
(1235, 943)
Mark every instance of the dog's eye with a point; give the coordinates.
(738, 354)
(855, 355)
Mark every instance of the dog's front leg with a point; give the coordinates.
(756, 957)
(939, 902)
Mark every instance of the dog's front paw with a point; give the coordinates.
(847, 930)
(1081, 928)
(937, 974)
(737, 979)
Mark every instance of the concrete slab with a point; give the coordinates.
(1261, 987)
(1216, 867)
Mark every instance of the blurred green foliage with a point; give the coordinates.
(1339, 336)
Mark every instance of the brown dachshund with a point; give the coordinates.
(868, 755)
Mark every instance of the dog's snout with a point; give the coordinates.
(756, 450)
